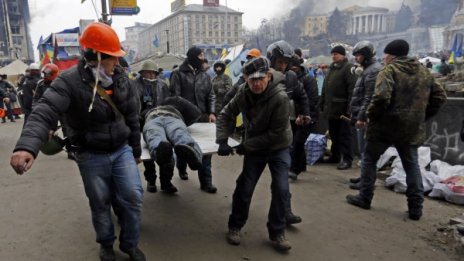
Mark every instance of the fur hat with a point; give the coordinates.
(397, 47)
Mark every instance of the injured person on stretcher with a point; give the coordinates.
(165, 131)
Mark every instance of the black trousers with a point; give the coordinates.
(341, 136)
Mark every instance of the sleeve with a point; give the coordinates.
(350, 80)
(175, 83)
(132, 117)
(369, 85)
(211, 97)
(44, 117)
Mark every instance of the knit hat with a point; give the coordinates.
(397, 47)
(338, 49)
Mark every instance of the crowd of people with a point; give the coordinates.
(105, 114)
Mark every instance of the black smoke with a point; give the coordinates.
(293, 25)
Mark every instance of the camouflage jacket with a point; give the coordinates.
(405, 95)
(221, 85)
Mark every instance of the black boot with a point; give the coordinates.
(358, 201)
(3, 120)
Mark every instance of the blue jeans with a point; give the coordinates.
(409, 159)
(170, 129)
(253, 167)
(109, 176)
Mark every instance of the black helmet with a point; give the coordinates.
(364, 48)
(280, 49)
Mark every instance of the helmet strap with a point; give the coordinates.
(96, 81)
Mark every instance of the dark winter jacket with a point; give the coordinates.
(265, 118)
(42, 85)
(101, 130)
(337, 90)
(405, 95)
(296, 93)
(310, 86)
(195, 86)
(27, 90)
(363, 90)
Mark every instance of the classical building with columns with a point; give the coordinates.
(455, 27)
(369, 20)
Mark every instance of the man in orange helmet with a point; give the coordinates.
(49, 73)
(101, 112)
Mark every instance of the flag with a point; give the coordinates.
(458, 51)
(156, 41)
(453, 50)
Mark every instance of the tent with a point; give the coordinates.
(162, 60)
(432, 59)
(13, 70)
(321, 59)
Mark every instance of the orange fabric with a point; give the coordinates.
(254, 53)
(2, 113)
(109, 92)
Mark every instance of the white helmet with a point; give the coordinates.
(34, 66)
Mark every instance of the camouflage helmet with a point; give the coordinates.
(53, 146)
(149, 65)
(364, 48)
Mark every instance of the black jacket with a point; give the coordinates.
(296, 93)
(363, 90)
(100, 130)
(27, 90)
(310, 87)
(185, 82)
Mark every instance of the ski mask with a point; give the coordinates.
(192, 57)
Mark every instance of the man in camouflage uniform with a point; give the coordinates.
(222, 83)
(405, 95)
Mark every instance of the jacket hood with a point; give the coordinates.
(406, 64)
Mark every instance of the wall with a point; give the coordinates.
(443, 133)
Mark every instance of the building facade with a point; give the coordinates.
(315, 25)
(15, 40)
(369, 20)
(209, 27)
(455, 27)
(130, 44)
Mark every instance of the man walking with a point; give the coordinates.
(101, 112)
(264, 105)
(405, 96)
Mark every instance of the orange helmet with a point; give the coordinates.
(253, 53)
(101, 38)
(50, 71)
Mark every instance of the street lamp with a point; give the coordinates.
(167, 41)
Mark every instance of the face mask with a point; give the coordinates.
(104, 79)
(149, 80)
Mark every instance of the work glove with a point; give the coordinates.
(225, 150)
(240, 149)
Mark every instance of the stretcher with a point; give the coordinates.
(203, 133)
